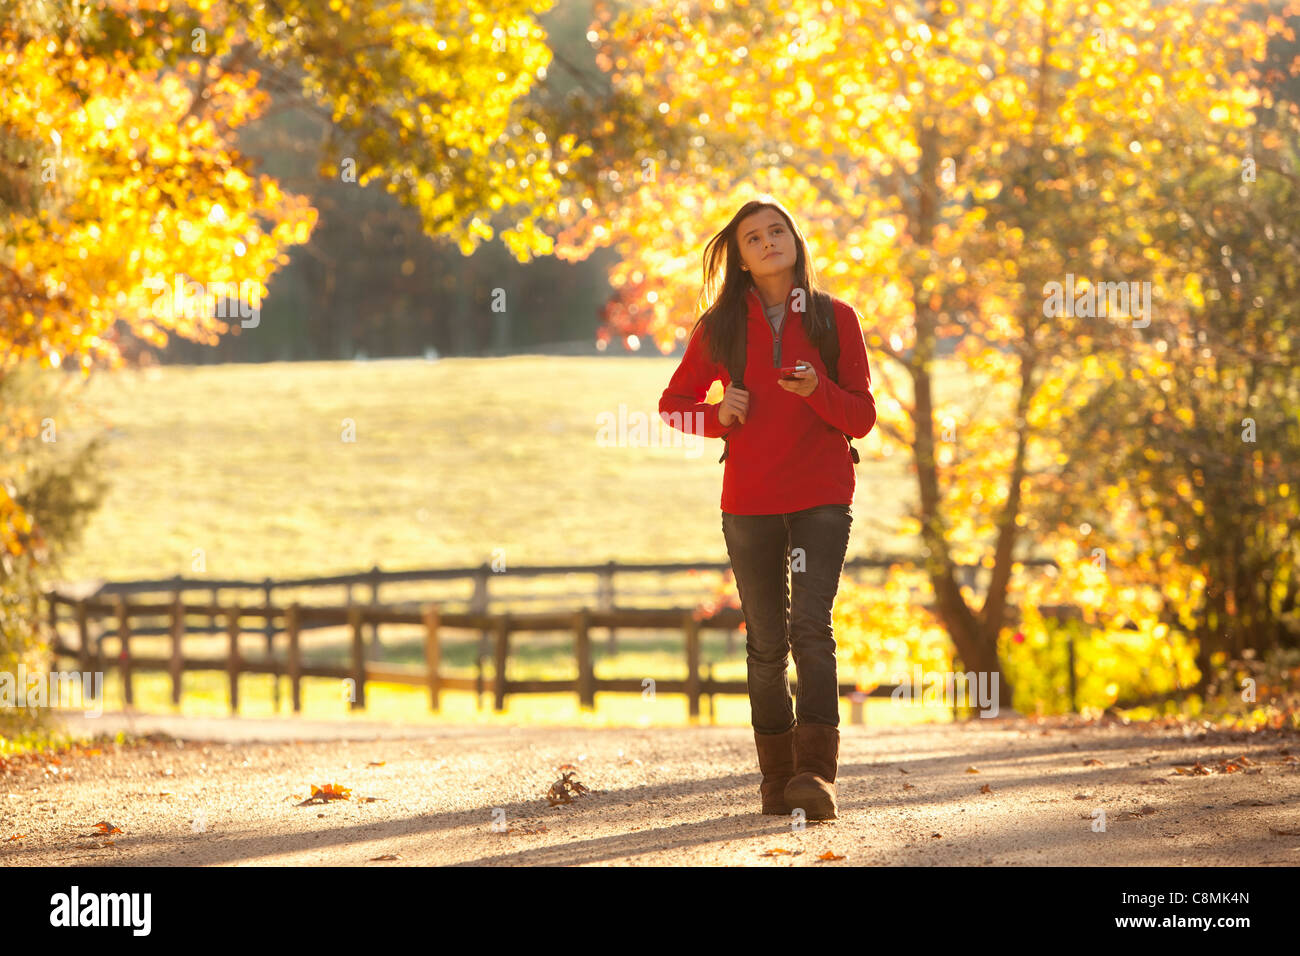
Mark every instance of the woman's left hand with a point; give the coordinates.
(804, 384)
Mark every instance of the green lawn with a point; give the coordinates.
(453, 459)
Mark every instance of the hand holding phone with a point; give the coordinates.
(788, 373)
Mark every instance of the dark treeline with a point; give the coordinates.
(371, 282)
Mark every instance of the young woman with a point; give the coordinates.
(788, 485)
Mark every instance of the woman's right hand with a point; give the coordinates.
(734, 405)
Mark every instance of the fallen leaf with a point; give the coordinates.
(830, 855)
(986, 789)
(909, 786)
(331, 791)
(386, 856)
(1093, 762)
(104, 827)
(780, 851)
(528, 829)
(376, 763)
(17, 836)
(971, 770)
(564, 789)
(1253, 803)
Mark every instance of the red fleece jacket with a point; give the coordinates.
(790, 454)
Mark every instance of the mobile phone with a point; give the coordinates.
(787, 374)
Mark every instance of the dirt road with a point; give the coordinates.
(229, 794)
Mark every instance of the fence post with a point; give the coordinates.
(124, 638)
(54, 627)
(1074, 704)
(582, 647)
(433, 654)
(691, 627)
(84, 631)
(478, 604)
(502, 654)
(605, 601)
(856, 700)
(375, 579)
(708, 689)
(267, 586)
(358, 658)
(233, 664)
(295, 657)
(177, 664)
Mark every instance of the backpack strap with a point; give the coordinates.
(736, 367)
(830, 353)
(830, 348)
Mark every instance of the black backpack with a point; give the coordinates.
(824, 313)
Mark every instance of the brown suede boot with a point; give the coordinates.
(817, 754)
(776, 760)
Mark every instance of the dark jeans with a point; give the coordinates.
(763, 549)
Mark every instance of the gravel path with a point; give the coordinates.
(229, 794)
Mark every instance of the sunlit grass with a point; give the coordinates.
(241, 471)
(452, 460)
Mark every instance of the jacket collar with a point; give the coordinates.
(756, 301)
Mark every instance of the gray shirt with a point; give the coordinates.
(776, 316)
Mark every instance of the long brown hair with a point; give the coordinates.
(721, 321)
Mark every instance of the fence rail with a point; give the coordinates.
(292, 620)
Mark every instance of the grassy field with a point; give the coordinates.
(453, 461)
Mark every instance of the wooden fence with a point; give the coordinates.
(294, 619)
(604, 596)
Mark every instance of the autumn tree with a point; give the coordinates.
(1188, 443)
(949, 162)
(128, 206)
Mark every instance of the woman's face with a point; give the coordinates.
(766, 243)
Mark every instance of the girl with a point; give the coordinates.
(787, 487)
